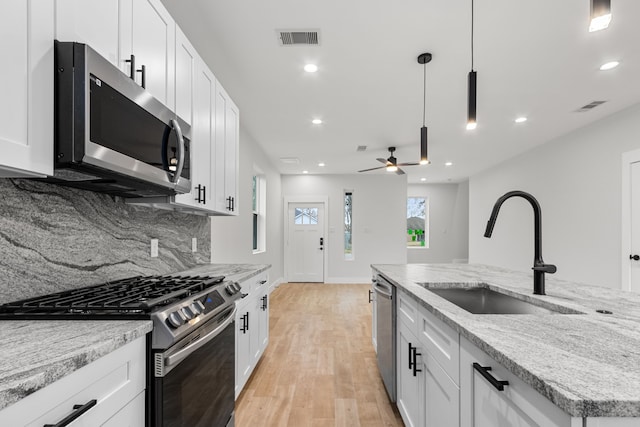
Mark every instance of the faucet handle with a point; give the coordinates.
(545, 268)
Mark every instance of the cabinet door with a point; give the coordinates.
(195, 89)
(93, 22)
(410, 387)
(148, 32)
(226, 153)
(442, 395)
(26, 109)
(517, 405)
(243, 349)
(263, 324)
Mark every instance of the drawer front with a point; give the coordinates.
(442, 342)
(113, 381)
(442, 395)
(407, 311)
(256, 283)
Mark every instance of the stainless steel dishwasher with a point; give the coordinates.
(386, 333)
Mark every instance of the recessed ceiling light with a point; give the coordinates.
(305, 171)
(321, 164)
(423, 179)
(316, 121)
(520, 120)
(609, 65)
(448, 164)
(311, 68)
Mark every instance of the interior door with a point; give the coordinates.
(306, 242)
(634, 264)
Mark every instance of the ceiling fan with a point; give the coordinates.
(391, 164)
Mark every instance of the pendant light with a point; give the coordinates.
(424, 59)
(472, 89)
(600, 15)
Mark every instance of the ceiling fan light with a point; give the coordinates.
(392, 168)
(471, 104)
(424, 158)
(600, 15)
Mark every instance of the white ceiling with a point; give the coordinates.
(533, 58)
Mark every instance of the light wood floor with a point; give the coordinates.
(319, 368)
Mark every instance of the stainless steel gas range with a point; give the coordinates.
(190, 352)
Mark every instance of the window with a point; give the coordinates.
(348, 221)
(258, 206)
(416, 222)
(306, 216)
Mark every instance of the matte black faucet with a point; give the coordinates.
(539, 267)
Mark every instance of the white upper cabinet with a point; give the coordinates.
(26, 109)
(119, 29)
(225, 155)
(147, 31)
(92, 22)
(187, 60)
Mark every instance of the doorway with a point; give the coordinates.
(305, 241)
(631, 221)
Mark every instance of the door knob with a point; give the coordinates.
(634, 257)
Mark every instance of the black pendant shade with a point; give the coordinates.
(471, 102)
(424, 157)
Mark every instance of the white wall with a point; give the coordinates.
(448, 222)
(379, 220)
(577, 180)
(232, 237)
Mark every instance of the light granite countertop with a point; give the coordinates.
(36, 353)
(586, 364)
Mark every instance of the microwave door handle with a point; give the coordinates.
(176, 127)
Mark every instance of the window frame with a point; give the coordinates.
(426, 230)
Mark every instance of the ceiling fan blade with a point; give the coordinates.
(381, 160)
(372, 169)
(408, 164)
(399, 172)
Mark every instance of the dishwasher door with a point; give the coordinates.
(386, 333)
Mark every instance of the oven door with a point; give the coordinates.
(195, 378)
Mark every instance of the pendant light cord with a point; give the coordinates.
(424, 97)
(472, 35)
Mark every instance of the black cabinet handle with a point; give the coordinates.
(245, 323)
(484, 371)
(233, 204)
(78, 410)
(199, 188)
(229, 204)
(634, 257)
(143, 71)
(370, 296)
(132, 70)
(262, 282)
(204, 194)
(415, 361)
(410, 356)
(264, 302)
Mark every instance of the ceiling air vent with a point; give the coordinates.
(290, 160)
(298, 37)
(361, 148)
(589, 106)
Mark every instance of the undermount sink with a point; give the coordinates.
(482, 300)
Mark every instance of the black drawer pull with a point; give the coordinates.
(78, 410)
(484, 371)
(370, 295)
(415, 361)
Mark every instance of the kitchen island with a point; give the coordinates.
(586, 364)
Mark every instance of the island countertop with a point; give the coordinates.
(586, 364)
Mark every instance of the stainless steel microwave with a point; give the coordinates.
(111, 135)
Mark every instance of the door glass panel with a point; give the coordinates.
(305, 216)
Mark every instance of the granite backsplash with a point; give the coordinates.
(55, 238)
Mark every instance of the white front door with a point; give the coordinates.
(305, 242)
(634, 264)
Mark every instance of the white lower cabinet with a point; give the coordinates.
(410, 377)
(373, 299)
(252, 327)
(115, 382)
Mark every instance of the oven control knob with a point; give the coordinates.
(175, 319)
(200, 306)
(195, 308)
(236, 286)
(230, 289)
(188, 313)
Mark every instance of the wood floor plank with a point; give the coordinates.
(319, 369)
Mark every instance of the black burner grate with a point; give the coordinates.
(135, 295)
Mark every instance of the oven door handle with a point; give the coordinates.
(170, 362)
